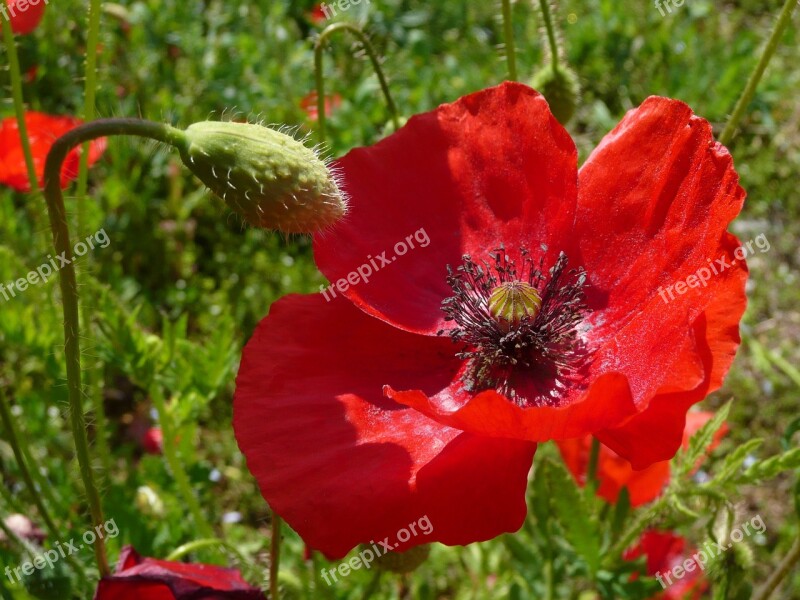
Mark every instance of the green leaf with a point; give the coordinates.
(621, 511)
(771, 467)
(733, 462)
(794, 427)
(581, 528)
(700, 441)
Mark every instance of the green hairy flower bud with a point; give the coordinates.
(268, 177)
(561, 89)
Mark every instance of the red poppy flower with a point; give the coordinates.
(24, 15)
(317, 15)
(309, 105)
(153, 440)
(665, 551)
(615, 473)
(420, 384)
(43, 130)
(138, 577)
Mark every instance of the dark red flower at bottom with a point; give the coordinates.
(43, 130)
(137, 578)
(665, 551)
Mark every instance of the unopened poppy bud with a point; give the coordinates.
(403, 562)
(269, 178)
(513, 301)
(560, 88)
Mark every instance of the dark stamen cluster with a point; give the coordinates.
(537, 359)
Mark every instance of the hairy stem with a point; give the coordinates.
(508, 32)
(547, 19)
(784, 19)
(89, 94)
(69, 288)
(373, 56)
(19, 106)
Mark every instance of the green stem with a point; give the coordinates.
(69, 289)
(90, 92)
(547, 18)
(633, 532)
(13, 440)
(195, 545)
(178, 473)
(19, 106)
(318, 53)
(508, 32)
(274, 555)
(784, 19)
(89, 95)
(783, 569)
(373, 585)
(594, 456)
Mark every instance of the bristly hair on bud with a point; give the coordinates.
(555, 81)
(269, 178)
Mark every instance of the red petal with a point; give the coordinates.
(138, 577)
(664, 551)
(607, 401)
(344, 465)
(43, 130)
(674, 193)
(614, 472)
(493, 167)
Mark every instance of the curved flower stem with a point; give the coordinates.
(319, 47)
(783, 569)
(194, 545)
(13, 440)
(784, 19)
(508, 32)
(274, 555)
(19, 106)
(179, 474)
(547, 17)
(69, 289)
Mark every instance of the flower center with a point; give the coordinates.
(518, 328)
